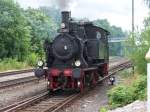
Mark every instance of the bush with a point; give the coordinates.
(139, 88)
(120, 95)
(123, 94)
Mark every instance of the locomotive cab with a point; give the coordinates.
(97, 44)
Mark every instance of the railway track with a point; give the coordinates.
(13, 79)
(15, 82)
(113, 70)
(43, 103)
(8, 73)
(121, 66)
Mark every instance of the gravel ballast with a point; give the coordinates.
(15, 94)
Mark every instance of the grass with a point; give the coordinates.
(103, 109)
(12, 64)
(128, 77)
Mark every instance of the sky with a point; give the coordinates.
(117, 12)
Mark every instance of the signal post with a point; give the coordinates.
(148, 80)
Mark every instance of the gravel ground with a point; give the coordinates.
(11, 95)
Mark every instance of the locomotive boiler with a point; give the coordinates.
(77, 57)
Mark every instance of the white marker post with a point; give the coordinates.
(148, 80)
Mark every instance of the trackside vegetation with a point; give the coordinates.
(132, 87)
(124, 94)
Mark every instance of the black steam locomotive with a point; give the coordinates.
(77, 57)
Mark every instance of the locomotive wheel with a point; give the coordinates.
(93, 81)
(81, 86)
(82, 82)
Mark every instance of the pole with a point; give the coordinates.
(147, 57)
(148, 87)
(132, 17)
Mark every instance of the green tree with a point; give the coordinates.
(53, 13)
(147, 21)
(14, 31)
(114, 30)
(102, 23)
(42, 27)
(139, 45)
(117, 31)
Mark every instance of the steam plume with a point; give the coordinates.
(64, 4)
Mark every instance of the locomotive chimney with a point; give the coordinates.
(66, 16)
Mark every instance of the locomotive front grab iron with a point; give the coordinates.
(77, 57)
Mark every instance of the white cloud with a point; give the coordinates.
(118, 12)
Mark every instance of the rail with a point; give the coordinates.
(15, 72)
(15, 82)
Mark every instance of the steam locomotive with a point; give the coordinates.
(77, 57)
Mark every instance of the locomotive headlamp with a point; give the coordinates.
(77, 63)
(48, 82)
(79, 83)
(40, 63)
(63, 25)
